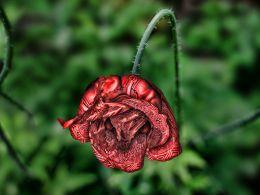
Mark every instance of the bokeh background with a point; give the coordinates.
(61, 46)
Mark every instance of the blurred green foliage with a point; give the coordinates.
(61, 46)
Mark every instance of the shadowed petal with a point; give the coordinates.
(158, 121)
(79, 131)
(127, 156)
(172, 147)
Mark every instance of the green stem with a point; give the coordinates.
(163, 13)
(8, 50)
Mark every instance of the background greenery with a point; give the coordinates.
(61, 46)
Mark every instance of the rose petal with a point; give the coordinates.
(127, 124)
(118, 154)
(172, 147)
(136, 87)
(89, 96)
(103, 110)
(79, 125)
(158, 121)
(79, 131)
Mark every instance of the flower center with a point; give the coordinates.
(127, 124)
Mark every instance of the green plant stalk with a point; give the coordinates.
(9, 49)
(163, 13)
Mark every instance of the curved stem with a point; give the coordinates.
(163, 13)
(8, 50)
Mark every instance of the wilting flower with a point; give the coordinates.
(125, 119)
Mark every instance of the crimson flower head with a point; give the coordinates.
(125, 119)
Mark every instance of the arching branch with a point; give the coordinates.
(4, 72)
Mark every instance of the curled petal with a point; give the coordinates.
(161, 130)
(127, 124)
(136, 87)
(127, 156)
(89, 97)
(79, 125)
(172, 147)
(79, 131)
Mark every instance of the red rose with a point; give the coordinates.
(125, 118)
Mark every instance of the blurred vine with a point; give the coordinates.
(9, 47)
(4, 72)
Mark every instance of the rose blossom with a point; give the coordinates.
(125, 119)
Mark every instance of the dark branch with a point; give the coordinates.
(12, 153)
(233, 125)
(8, 49)
(16, 104)
(229, 127)
(3, 73)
